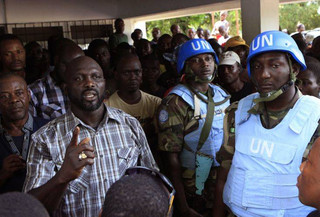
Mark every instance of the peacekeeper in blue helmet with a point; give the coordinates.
(190, 122)
(267, 134)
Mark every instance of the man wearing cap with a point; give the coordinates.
(238, 45)
(269, 133)
(228, 73)
(190, 124)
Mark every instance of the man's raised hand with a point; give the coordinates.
(73, 164)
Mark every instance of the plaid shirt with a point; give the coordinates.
(47, 100)
(119, 143)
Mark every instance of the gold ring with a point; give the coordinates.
(82, 156)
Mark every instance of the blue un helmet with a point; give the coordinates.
(192, 48)
(275, 41)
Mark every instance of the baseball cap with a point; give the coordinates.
(229, 58)
(235, 41)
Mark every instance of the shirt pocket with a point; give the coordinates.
(127, 157)
(80, 184)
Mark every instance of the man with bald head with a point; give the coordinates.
(47, 98)
(16, 127)
(309, 180)
(129, 97)
(77, 156)
(175, 29)
(192, 33)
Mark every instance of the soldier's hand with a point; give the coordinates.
(11, 164)
(73, 164)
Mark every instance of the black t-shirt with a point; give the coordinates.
(18, 141)
(245, 91)
(315, 213)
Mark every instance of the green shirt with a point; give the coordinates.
(116, 39)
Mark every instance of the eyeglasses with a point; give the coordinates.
(164, 179)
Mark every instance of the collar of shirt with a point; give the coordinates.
(73, 121)
(277, 116)
(27, 126)
(51, 81)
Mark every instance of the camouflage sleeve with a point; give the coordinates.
(172, 116)
(313, 139)
(225, 154)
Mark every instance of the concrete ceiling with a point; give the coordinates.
(182, 8)
(17, 11)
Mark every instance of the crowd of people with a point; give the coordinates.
(177, 126)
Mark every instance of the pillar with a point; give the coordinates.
(258, 16)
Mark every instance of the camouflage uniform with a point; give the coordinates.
(190, 124)
(171, 139)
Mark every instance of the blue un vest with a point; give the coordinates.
(265, 166)
(214, 140)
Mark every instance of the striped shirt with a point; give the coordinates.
(119, 143)
(47, 99)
